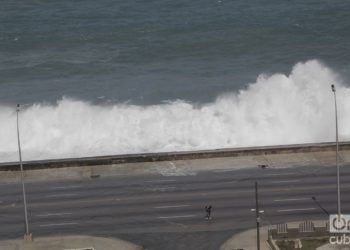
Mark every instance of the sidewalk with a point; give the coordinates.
(247, 240)
(69, 243)
(333, 247)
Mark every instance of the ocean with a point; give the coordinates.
(115, 77)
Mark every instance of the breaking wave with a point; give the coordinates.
(275, 110)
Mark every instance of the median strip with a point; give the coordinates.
(174, 206)
(58, 224)
(296, 209)
(156, 181)
(286, 181)
(60, 195)
(66, 187)
(279, 174)
(292, 199)
(53, 214)
(176, 216)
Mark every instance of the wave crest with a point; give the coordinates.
(275, 110)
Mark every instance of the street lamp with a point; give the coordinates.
(27, 235)
(319, 205)
(257, 216)
(337, 150)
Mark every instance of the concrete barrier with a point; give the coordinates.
(275, 153)
(178, 163)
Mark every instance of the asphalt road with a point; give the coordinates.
(167, 212)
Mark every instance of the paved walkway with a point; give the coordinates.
(247, 240)
(69, 243)
(333, 247)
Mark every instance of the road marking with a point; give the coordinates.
(60, 195)
(286, 181)
(65, 187)
(296, 209)
(53, 214)
(278, 174)
(176, 216)
(292, 199)
(58, 224)
(160, 181)
(161, 189)
(174, 206)
(223, 170)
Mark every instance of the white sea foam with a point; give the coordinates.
(275, 110)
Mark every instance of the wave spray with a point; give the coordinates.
(275, 110)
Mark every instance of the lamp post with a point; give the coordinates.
(319, 205)
(27, 235)
(257, 216)
(337, 150)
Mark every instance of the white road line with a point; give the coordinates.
(223, 170)
(296, 209)
(160, 181)
(176, 216)
(286, 181)
(174, 206)
(279, 174)
(292, 199)
(53, 214)
(60, 195)
(58, 224)
(65, 187)
(161, 189)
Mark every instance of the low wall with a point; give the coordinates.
(173, 156)
(177, 164)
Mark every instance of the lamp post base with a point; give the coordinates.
(28, 237)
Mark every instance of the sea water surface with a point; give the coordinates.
(112, 77)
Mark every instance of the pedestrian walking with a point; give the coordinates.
(208, 212)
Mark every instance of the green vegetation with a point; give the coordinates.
(312, 244)
(307, 244)
(285, 244)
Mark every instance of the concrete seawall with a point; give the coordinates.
(178, 163)
(173, 156)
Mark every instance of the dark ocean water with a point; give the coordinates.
(146, 52)
(114, 77)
